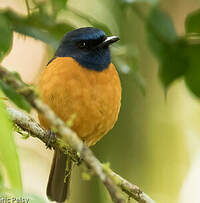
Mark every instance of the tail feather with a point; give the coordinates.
(59, 178)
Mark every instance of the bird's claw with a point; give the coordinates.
(51, 138)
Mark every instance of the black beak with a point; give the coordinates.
(108, 41)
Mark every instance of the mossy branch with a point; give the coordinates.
(111, 180)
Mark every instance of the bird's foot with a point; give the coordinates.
(51, 138)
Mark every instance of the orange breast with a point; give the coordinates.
(93, 97)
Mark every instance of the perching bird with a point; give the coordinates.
(80, 80)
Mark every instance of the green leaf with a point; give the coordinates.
(192, 77)
(192, 22)
(8, 153)
(39, 26)
(160, 32)
(5, 36)
(18, 99)
(174, 63)
(166, 46)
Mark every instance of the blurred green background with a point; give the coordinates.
(155, 143)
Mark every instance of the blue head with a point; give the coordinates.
(88, 46)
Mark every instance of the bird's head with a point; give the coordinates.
(88, 46)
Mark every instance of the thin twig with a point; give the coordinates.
(27, 123)
(27, 7)
(110, 179)
(67, 135)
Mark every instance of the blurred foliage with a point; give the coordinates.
(5, 36)
(58, 5)
(38, 25)
(178, 56)
(192, 22)
(160, 32)
(17, 98)
(8, 153)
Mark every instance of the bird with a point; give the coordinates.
(80, 81)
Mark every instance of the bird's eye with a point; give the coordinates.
(82, 44)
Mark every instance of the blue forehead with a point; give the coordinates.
(86, 33)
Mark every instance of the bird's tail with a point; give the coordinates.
(59, 178)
